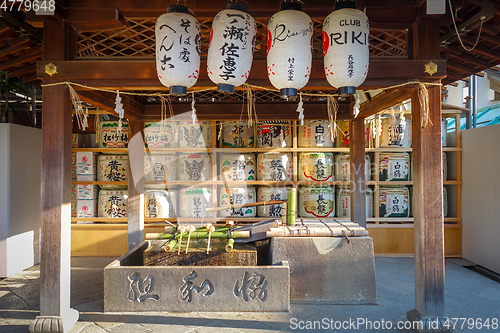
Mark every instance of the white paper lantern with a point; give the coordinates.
(346, 34)
(232, 42)
(177, 49)
(289, 53)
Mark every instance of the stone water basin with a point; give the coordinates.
(130, 286)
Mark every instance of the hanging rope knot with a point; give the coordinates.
(332, 108)
(300, 110)
(423, 96)
(193, 109)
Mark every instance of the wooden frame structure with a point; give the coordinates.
(60, 40)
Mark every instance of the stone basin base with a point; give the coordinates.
(129, 286)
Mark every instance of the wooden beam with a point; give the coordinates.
(481, 49)
(265, 110)
(13, 49)
(24, 70)
(55, 266)
(135, 201)
(22, 59)
(90, 19)
(357, 160)
(106, 73)
(388, 11)
(428, 206)
(106, 101)
(462, 68)
(383, 101)
(456, 52)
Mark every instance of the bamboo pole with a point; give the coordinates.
(250, 204)
(200, 234)
(229, 245)
(170, 245)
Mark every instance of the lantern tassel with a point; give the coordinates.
(332, 107)
(300, 110)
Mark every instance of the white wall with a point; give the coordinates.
(20, 197)
(455, 96)
(481, 196)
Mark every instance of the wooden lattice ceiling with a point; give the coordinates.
(138, 40)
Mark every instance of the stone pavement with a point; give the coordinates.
(468, 295)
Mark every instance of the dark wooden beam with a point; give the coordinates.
(9, 50)
(19, 60)
(265, 110)
(382, 73)
(383, 101)
(481, 49)
(55, 253)
(456, 52)
(22, 71)
(387, 11)
(90, 19)
(462, 68)
(106, 101)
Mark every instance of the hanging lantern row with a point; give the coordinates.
(289, 48)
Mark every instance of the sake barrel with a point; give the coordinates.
(397, 134)
(269, 193)
(314, 134)
(194, 167)
(110, 137)
(112, 168)
(197, 135)
(237, 196)
(113, 203)
(394, 201)
(343, 138)
(444, 130)
(316, 166)
(316, 201)
(273, 134)
(343, 167)
(394, 166)
(73, 166)
(73, 200)
(160, 204)
(237, 167)
(274, 166)
(159, 168)
(161, 134)
(237, 134)
(193, 202)
(344, 202)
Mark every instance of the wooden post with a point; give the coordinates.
(135, 203)
(55, 267)
(357, 159)
(428, 212)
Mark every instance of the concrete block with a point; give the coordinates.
(129, 286)
(328, 269)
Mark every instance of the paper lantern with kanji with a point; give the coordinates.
(177, 49)
(289, 52)
(232, 42)
(345, 47)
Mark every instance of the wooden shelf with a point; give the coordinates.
(120, 183)
(102, 150)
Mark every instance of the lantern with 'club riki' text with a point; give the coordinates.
(346, 34)
(289, 49)
(232, 42)
(177, 37)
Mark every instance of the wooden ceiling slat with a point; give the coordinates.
(22, 71)
(9, 50)
(20, 60)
